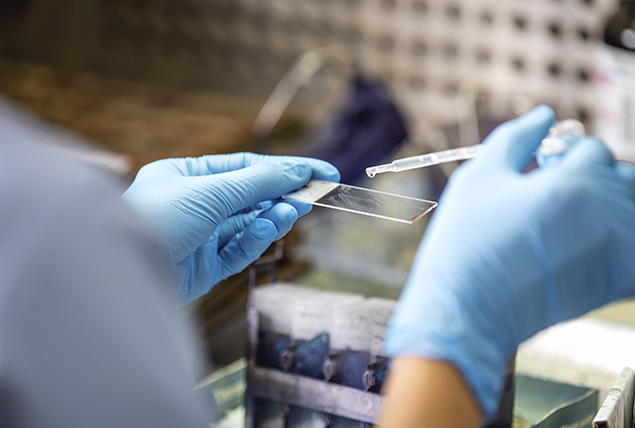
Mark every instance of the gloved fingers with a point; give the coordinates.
(283, 215)
(588, 151)
(234, 225)
(301, 207)
(626, 172)
(217, 164)
(514, 143)
(260, 206)
(222, 195)
(246, 246)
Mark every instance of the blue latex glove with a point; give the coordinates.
(509, 253)
(220, 213)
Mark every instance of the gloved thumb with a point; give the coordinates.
(222, 195)
(626, 171)
(514, 143)
(587, 152)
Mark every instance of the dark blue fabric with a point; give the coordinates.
(362, 133)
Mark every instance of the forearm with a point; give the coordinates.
(427, 393)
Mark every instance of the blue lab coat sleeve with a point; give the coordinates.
(90, 332)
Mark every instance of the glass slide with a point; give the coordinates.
(362, 201)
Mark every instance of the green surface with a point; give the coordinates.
(546, 404)
(228, 385)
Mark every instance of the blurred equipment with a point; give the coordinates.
(615, 81)
(362, 201)
(617, 409)
(298, 76)
(561, 137)
(315, 358)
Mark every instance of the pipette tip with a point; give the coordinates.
(374, 170)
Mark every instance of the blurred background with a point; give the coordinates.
(355, 82)
(424, 49)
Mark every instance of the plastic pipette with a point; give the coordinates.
(429, 159)
(561, 136)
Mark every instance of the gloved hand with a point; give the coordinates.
(220, 213)
(509, 253)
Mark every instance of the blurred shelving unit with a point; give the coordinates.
(426, 49)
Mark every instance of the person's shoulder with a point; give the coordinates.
(36, 170)
(49, 195)
(50, 198)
